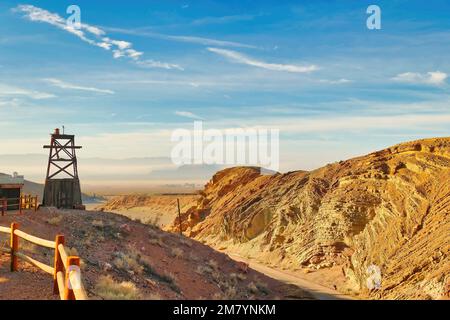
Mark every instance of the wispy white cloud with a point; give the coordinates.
(142, 32)
(65, 85)
(188, 114)
(240, 58)
(88, 33)
(12, 91)
(223, 19)
(158, 64)
(339, 81)
(431, 78)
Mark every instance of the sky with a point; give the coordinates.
(137, 70)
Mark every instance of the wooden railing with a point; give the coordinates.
(23, 202)
(66, 270)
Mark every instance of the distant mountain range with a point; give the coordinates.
(34, 188)
(157, 170)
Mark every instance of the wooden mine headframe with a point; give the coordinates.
(62, 185)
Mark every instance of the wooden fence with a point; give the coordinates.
(66, 270)
(24, 202)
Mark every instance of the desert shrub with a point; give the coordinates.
(186, 242)
(213, 264)
(153, 221)
(252, 287)
(55, 221)
(164, 277)
(98, 224)
(154, 296)
(177, 252)
(128, 262)
(157, 242)
(238, 276)
(193, 257)
(109, 289)
(258, 287)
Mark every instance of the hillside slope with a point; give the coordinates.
(389, 209)
(126, 259)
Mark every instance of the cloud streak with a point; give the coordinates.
(11, 91)
(87, 33)
(65, 85)
(243, 59)
(188, 114)
(435, 78)
(177, 38)
(223, 19)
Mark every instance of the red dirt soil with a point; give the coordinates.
(169, 266)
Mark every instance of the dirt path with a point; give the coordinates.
(28, 283)
(318, 291)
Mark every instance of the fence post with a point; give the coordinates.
(68, 290)
(14, 243)
(35, 203)
(20, 204)
(58, 262)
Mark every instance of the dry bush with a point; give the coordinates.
(154, 233)
(128, 262)
(165, 277)
(55, 221)
(186, 242)
(154, 296)
(258, 287)
(153, 221)
(109, 289)
(193, 257)
(158, 242)
(238, 276)
(98, 223)
(177, 252)
(156, 237)
(213, 264)
(71, 251)
(252, 287)
(27, 246)
(262, 287)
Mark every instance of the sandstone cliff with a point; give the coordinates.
(389, 209)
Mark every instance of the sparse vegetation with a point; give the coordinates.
(165, 277)
(109, 289)
(158, 241)
(153, 221)
(193, 257)
(128, 262)
(238, 276)
(97, 224)
(258, 287)
(55, 221)
(177, 252)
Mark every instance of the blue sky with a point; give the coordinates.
(310, 68)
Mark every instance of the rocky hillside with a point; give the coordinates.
(389, 209)
(126, 259)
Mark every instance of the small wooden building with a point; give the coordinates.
(11, 188)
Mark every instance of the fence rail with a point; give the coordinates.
(66, 269)
(23, 202)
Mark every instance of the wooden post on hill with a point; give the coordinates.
(14, 244)
(179, 215)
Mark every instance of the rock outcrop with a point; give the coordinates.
(388, 210)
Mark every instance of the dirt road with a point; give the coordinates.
(318, 291)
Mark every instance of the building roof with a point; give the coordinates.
(14, 179)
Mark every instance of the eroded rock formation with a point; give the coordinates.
(389, 209)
